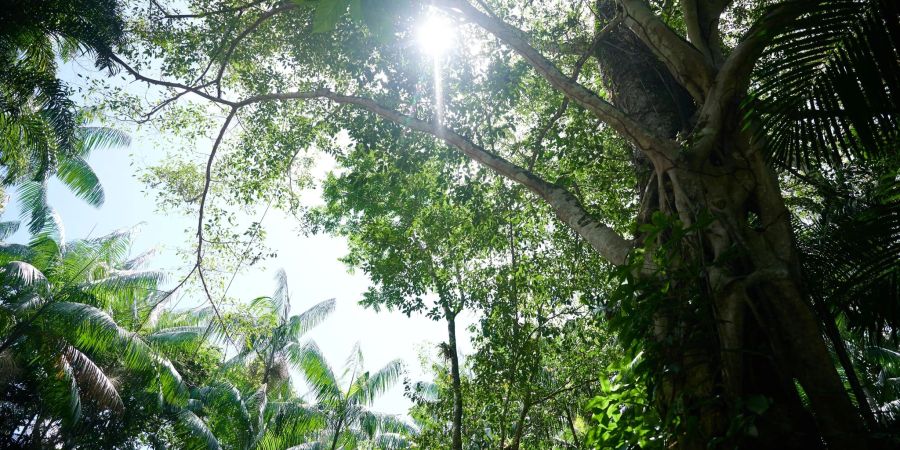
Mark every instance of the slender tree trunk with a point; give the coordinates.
(456, 432)
(337, 433)
(571, 424)
(520, 425)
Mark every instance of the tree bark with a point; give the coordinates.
(456, 432)
(763, 334)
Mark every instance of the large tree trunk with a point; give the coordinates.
(742, 330)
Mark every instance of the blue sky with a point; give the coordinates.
(311, 263)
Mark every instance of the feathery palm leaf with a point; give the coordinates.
(319, 375)
(829, 87)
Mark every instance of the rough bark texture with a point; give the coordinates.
(758, 334)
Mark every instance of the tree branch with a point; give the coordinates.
(602, 238)
(605, 240)
(642, 137)
(170, 84)
(686, 63)
(200, 215)
(731, 82)
(701, 19)
(168, 15)
(240, 37)
(598, 38)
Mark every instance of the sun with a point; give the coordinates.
(435, 35)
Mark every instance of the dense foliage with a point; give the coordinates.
(674, 224)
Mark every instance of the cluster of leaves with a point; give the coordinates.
(92, 357)
(82, 338)
(438, 235)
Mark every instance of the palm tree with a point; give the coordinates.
(42, 132)
(851, 248)
(220, 415)
(825, 104)
(60, 346)
(350, 424)
(70, 168)
(39, 123)
(262, 413)
(276, 345)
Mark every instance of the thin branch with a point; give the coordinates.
(168, 15)
(240, 37)
(214, 307)
(202, 208)
(538, 143)
(169, 294)
(605, 111)
(170, 84)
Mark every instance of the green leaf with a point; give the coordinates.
(327, 14)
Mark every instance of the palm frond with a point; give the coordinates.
(36, 212)
(850, 259)
(127, 287)
(223, 396)
(354, 364)
(379, 382)
(15, 252)
(294, 413)
(319, 375)
(7, 229)
(80, 178)
(100, 388)
(829, 87)
(281, 299)
(299, 324)
(392, 441)
(22, 273)
(92, 138)
(315, 445)
(139, 261)
(67, 375)
(176, 337)
(195, 431)
(887, 358)
(170, 383)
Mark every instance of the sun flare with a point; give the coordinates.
(436, 35)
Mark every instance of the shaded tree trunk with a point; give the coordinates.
(520, 425)
(742, 330)
(453, 355)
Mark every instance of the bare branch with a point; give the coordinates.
(200, 215)
(170, 84)
(686, 63)
(208, 180)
